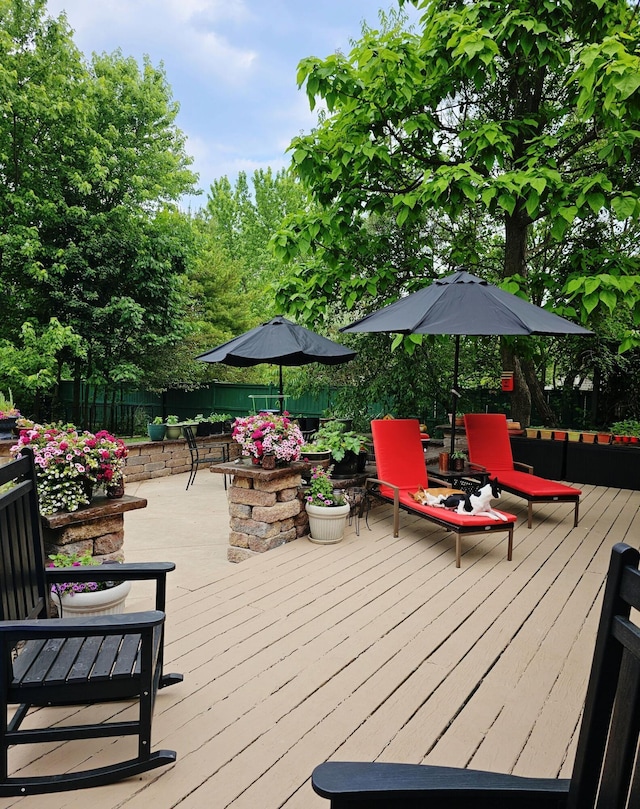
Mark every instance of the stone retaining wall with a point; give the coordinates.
(155, 459)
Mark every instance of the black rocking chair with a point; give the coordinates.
(606, 772)
(70, 661)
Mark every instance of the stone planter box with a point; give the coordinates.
(97, 528)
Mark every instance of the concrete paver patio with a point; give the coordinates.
(375, 648)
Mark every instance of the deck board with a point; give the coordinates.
(374, 648)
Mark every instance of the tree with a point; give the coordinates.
(91, 164)
(524, 111)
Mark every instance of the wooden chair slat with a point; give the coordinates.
(80, 671)
(45, 655)
(129, 651)
(59, 671)
(107, 656)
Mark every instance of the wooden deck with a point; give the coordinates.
(375, 648)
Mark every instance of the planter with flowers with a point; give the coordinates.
(76, 598)
(9, 415)
(326, 508)
(69, 464)
(268, 434)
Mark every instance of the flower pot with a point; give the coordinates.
(604, 438)
(457, 464)
(7, 427)
(173, 432)
(217, 427)
(559, 435)
(327, 523)
(573, 435)
(545, 434)
(531, 432)
(443, 461)
(155, 431)
(102, 602)
(347, 467)
(588, 438)
(204, 428)
(114, 491)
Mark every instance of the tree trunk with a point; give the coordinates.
(537, 394)
(520, 397)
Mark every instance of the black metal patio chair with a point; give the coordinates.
(204, 454)
(606, 771)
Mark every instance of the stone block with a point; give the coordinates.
(262, 544)
(289, 535)
(240, 510)
(291, 481)
(134, 470)
(287, 525)
(302, 530)
(80, 547)
(238, 539)
(154, 466)
(287, 494)
(258, 529)
(242, 483)
(160, 473)
(277, 512)
(87, 530)
(239, 554)
(251, 497)
(108, 544)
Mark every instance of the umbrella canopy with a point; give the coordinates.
(463, 304)
(281, 342)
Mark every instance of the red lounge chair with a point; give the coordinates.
(489, 447)
(401, 472)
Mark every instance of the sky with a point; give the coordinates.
(231, 65)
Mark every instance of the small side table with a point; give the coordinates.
(468, 479)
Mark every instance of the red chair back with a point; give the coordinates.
(399, 453)
(488, 440)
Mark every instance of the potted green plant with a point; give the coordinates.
(9, 415)
(173, 428)
(626, 431)
(203, 424)
(344, 445)
(458, 459)
(74, 599)
(156, 429)
(218, 420)
(326, 508)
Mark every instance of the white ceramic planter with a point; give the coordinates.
(327, 523)
(102, 602)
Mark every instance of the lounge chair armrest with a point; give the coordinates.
(390, 785)
(523, 467)
(477, 467)
(379, 482)
(446, 484)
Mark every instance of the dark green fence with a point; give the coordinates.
(130, 411)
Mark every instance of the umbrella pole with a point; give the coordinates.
(281, 395)
(455, 395)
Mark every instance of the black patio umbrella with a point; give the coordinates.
(463, 304)
(280, 342)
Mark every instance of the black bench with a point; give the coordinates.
(70, 661)
(606, 772)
